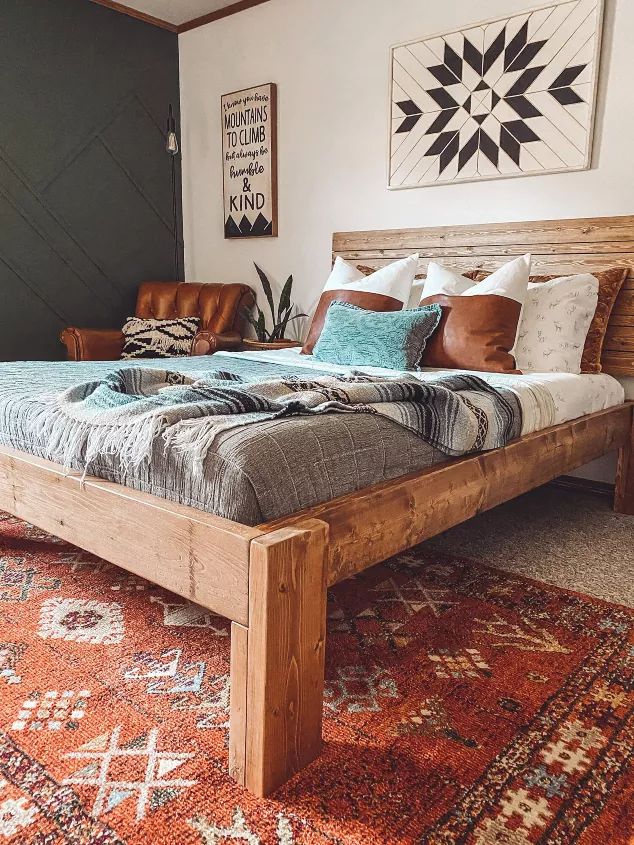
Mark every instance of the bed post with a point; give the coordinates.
(624, 492)
(277, 663)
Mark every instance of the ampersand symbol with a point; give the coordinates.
(246, 188)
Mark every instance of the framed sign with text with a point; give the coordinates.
(249, 155)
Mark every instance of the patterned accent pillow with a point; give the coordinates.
(610, 284)
(392, 339)
(158, 338)
(555, 322)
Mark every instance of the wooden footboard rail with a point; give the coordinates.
(196, 555)
(271, 580)
(371, 525)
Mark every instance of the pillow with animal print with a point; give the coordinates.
(610, 283)
(555, 323)
(158, 338)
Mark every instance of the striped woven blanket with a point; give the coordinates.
(125, 412)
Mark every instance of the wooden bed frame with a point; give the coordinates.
(271, 580)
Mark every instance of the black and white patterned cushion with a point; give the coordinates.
(158, 338)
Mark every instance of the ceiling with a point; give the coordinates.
(177, 11)
(177, 14)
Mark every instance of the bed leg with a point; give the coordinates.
(277, 663)
(624, 491)
(238, 703)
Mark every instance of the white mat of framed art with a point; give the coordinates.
(513, 96)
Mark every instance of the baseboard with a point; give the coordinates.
(586, 485)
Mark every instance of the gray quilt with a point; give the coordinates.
(252, 442)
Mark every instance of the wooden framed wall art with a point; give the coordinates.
(249, 154)
(509, 97)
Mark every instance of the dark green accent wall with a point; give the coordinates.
(85, 186)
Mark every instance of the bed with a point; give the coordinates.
(312, 459)
(270, 577)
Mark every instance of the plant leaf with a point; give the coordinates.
(261, 326)
(268, 292)
(288, 319)
(285, 298)
(283, 323)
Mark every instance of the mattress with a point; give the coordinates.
(571, 395)
(262, 472)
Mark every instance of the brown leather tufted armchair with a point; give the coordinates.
(217, 305)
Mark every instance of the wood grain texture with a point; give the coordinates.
(557, 246)
(621, 337)
(238, 704)
(526, 233)
(194, 554)
(371, 525)
(624, 491)
(542, 264)
(477, 251)
(285, 663)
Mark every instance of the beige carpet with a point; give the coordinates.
(564, 537)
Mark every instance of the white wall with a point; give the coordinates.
(330, 59)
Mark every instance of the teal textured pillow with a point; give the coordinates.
(392, 339)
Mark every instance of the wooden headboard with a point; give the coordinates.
(557, 246)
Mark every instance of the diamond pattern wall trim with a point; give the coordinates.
(85, 183)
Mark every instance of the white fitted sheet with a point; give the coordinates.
(547, 398)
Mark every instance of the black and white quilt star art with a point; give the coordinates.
(510, 97)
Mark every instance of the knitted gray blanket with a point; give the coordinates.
(126, 411)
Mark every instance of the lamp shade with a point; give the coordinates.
(171, 143)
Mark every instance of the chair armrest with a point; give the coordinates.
(206, 343)
(92, 344)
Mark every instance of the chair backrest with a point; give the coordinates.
(217, 305)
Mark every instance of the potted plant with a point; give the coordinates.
(273, 338)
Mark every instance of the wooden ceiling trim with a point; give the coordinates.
(240, 6)
(135, 13)
(232, 9)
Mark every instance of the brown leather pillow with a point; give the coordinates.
(362, 299)
(474, 333)
(610, 283)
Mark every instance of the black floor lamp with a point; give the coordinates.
(171, 146)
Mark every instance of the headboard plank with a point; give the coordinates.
(428, 251)
(557, 246)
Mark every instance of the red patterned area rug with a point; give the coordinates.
(463, 705)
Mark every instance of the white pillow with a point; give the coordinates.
(510, 280)
(555, 324)
(441, 279)
(342, 274)
(416, 293)
(346, 282)
(393, 280)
